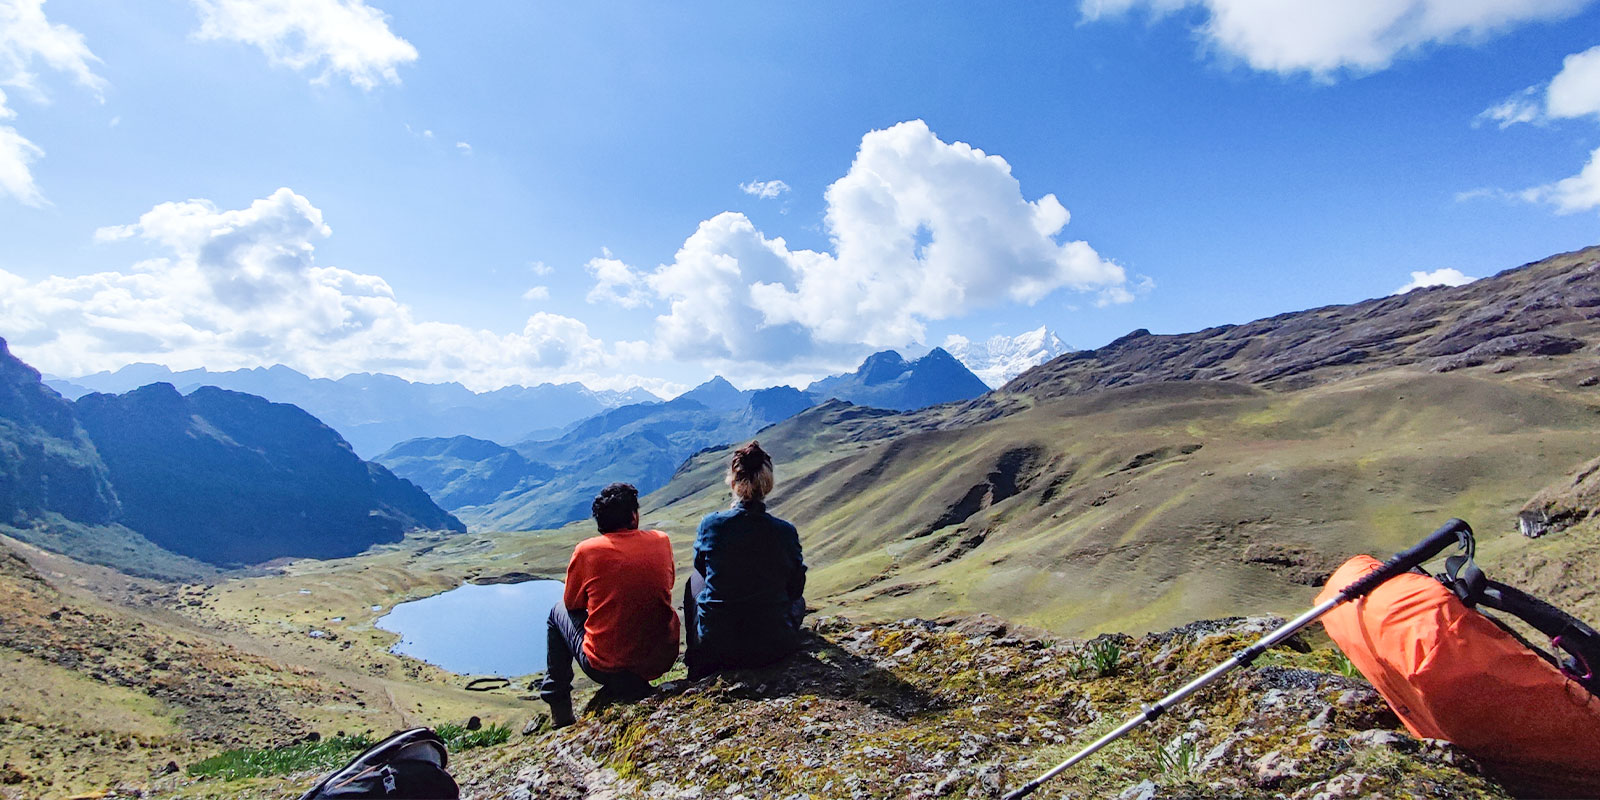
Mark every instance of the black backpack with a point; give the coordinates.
(410, 765)
(1575, 645)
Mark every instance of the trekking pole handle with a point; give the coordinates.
(1449, 533)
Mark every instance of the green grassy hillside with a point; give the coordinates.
(1140, 508)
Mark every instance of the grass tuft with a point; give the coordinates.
(329, 753)
(1178, 760)
(457, 737)
(321, 755)
(1102, 657)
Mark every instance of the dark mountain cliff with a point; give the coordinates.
(47, 463)
(231, 478)
(1540, 309)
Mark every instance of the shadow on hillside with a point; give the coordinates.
(820, 668)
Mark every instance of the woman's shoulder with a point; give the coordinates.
(718, 516)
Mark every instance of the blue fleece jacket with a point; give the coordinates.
(755, 578)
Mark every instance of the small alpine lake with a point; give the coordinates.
(494, 629)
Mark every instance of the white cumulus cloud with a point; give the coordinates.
(28, 41)
(922, 229)
(537, 293)
(242, 287)
(345, 37)
(1575, 90)
(1447, 276)
(1323, 37)
(766, 190)
(616, 283)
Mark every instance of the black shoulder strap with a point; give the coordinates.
(1567, 633)
(1576, 644)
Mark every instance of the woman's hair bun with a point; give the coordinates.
(750, 460)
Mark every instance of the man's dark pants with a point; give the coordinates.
(564, 645)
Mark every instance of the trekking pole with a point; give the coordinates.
(1451, 532)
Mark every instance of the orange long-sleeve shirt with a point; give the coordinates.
(623, 579)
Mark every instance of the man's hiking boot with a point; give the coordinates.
(561, 711)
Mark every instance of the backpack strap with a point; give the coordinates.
(1568, 635)
(1577, 646)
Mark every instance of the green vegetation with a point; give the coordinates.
(1341, 662)
(327, 754)
(321, 755)
(1177, 760)
(458, 737)
(1100, 657)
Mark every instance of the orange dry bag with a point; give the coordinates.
(1451, 673)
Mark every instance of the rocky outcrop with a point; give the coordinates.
(1549, 308)
(1562, 504)
(975, 707)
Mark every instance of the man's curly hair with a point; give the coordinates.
(615, 506)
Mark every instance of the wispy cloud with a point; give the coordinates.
(337, 37)
(766, 190)
(28, 41)
(1574, 93)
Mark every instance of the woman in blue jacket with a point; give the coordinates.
(744, 602)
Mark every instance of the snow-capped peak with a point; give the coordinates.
(1001, 358)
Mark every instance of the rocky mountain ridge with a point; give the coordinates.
(230, 478)
(1547, 308)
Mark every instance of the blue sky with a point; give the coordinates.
(517, 192)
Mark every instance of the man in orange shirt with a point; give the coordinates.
(616, 617)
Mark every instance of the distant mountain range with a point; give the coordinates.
(998, 359)
(218, 476)
(375, 411)
(545, 484)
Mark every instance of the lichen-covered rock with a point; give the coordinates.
(973, 708)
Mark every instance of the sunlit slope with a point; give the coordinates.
(1140, 508)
